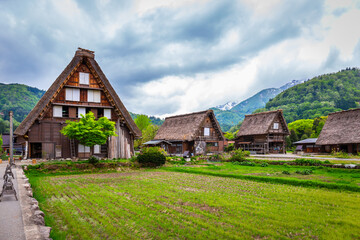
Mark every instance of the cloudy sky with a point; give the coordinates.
(167, 57)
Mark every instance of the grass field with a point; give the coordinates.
(348, 178)
(170, 205)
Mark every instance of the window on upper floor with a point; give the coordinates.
(276, 126)
(107, 113)
(65, 111)
(57, 111)
(72, 94)
(100, 113)
(84, 78)
(206, 131)
(94, 96)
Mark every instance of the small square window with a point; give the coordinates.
(276, 125)
(84, 78)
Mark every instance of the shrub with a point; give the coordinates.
(286, 172)
(151, 157)
(230, 147)
(248, 163)
(327, 162)
(239, 155)
(216, 157)
(307, 162)
(305, 172)
(264, 164)
(340, 154)
(92, 160)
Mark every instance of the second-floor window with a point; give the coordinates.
(84, 78)
(276, 125)
(94, 96)
(206, 131)
(72, 94)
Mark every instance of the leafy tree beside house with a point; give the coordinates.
(147, 129)
(88, 131)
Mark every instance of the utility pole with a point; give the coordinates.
(11, 139)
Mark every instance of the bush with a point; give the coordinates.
(305, 172)
(340, 154)
(286, 172)
(152, 157)
(93, 160)
(264, 164)
(230, 147)
(216, 157)
(239, 155)
(307, 162)
(327, 162)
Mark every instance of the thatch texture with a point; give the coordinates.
(341, 128)
(260, 123)
(81, 56)
(186, 127)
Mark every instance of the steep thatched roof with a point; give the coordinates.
(341, 128)
(261, 123)
(186, 127)
(86, 57)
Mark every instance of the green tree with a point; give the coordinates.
(1, 143)
(148, 130)
(88, 131)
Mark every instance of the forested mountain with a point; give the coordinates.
(18, 98)
(231, 117)
(319, 96)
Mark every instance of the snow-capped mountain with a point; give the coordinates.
(227, 106)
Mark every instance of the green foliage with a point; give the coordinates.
(230, 147)
(229, 135)
(153, 120)
(264, 164)
(239, 155)
(1, 143)
(303, 129)
(304, 172)
(245, 163)
(20, 99)
(319, 96)
(148, 130)
(286, 172)
(93, 160)
(88, 131)
(340, 154)
(307, 162)
(142, 122)
(151, 157)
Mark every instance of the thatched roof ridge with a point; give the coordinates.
(341, 128)
(81, 55)
(260, 123)
(185, 127)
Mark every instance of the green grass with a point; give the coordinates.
(332, 178)
(170, 205)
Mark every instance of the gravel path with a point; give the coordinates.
(11, 222)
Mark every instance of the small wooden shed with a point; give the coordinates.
(196, 133)
(341, 132)
(263, 133)
(82, 87)
(307, 146)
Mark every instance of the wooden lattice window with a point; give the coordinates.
(84, 78)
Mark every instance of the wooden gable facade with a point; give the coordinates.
(263, 133)
(82, 87)
(195, 133)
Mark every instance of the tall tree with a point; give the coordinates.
(142, 122)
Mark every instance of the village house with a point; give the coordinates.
(263, 133)
(341, 132)
(82, 87)
(193, 134)
(307, 146)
